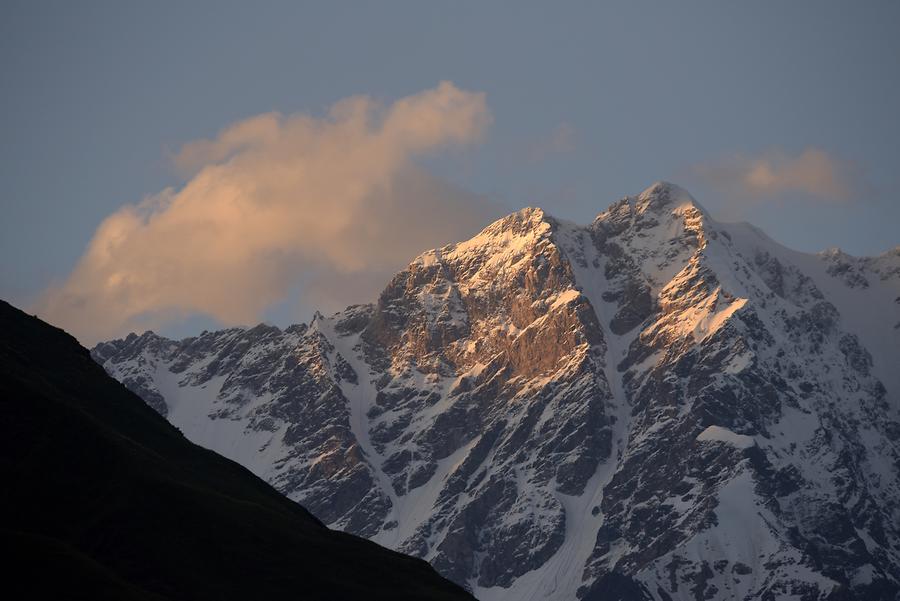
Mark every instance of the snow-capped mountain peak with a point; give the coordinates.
(656, 405)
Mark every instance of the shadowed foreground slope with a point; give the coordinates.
(102, 498)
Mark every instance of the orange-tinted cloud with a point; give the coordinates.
(813, 172)
(271, 200)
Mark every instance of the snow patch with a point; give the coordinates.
(720, 434)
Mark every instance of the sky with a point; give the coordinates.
(181, 166)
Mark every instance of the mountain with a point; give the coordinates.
(103, 499)
(653, 406)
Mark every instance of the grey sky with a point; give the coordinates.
(590, 101)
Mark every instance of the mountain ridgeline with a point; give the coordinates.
(653, 406)
(102, 499)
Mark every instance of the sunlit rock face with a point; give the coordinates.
(654, 406)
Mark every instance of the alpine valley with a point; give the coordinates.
(653, 406)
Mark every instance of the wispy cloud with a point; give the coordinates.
(812, 173)
(271, 200)
(559, 141)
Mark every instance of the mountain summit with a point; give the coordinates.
(653, 406)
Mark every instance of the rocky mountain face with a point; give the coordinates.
(654, 406)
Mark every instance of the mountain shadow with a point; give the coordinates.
(104, 499)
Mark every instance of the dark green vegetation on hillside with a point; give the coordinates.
(102, 498)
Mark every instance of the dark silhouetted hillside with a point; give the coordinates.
(102, 498)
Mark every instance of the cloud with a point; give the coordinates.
(560, 141)
(812, 173)
(274, 202)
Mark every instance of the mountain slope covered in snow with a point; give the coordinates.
(653, 406)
